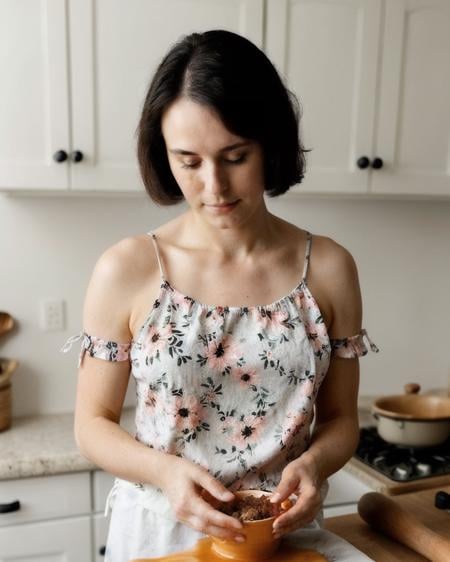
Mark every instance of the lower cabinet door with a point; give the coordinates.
(101, 525)
(66, 540)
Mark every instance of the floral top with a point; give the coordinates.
(230, 388)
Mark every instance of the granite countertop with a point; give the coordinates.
(44, 444)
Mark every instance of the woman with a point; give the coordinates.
(226, 384)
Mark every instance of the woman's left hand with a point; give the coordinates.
(300, 477)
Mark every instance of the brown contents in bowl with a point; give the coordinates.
(251, 508)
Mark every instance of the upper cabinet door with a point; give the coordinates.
(34, 111)
(115, 49)
(413, 137)
(327, 51)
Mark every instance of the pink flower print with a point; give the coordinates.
(187, 413)
(306, 388)
(184, 303)
(273, 320)
(300, 300)
(317, 332)
(293, 423)
(214, 320)
(305, 301)
(210, 395)
(122, 355)
(315, 340)
(151, 400)
(245, 377)
(222, 354)
(245, 431)
(157, 339)
(320, 328)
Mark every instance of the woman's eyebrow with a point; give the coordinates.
(224, 149)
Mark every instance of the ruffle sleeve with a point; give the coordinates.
(353, 346)
(97, 347)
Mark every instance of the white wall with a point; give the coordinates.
(48, 246)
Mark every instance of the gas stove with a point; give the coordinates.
(402, 464)
(393, 470)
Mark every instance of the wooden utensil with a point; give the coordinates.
(7, 367)
(387, 517)
(6, 323)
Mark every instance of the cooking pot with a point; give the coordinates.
(413, 420)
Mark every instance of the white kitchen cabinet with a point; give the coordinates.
(53, 523)
(344, 492)
(74, 75)
(101, 526)
(45, 497)
(64, 540)
(413, 132)
(102, 484)
(61, 518)
(34, 94)
(373, 81)
(328, 51)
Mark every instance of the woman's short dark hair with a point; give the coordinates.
(232, 76)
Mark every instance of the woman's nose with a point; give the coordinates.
(215, 180)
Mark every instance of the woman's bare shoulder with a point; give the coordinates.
(129, 260)
(331, 257)
(119, 276)
(327, 255)
(335, 276)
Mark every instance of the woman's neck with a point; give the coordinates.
(235, 242)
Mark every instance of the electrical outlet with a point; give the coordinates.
(52, 315)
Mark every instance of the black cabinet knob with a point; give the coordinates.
(9, 507)
(102, 550)
(60, 156)
(76, 156)
(377, 163)
(363, 162)
(442, 500)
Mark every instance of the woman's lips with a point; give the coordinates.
(223, 207)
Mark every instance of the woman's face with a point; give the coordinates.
(220, 174)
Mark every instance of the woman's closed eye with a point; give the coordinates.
(238, 160)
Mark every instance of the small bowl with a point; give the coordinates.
(260, 543)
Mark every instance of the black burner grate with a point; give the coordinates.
(402, 464)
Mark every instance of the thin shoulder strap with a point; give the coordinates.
(307, 255)
(161, 268)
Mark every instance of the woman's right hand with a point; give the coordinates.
(192, 492)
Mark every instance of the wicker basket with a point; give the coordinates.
(5, 407)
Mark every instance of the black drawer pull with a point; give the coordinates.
(102, 550)
(9, 507)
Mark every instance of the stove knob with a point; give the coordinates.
(442, 500)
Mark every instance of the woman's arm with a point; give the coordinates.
(102, 384)
(336, 431)
(101, 392)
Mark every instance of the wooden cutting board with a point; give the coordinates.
(379, 547)
(202, 553)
